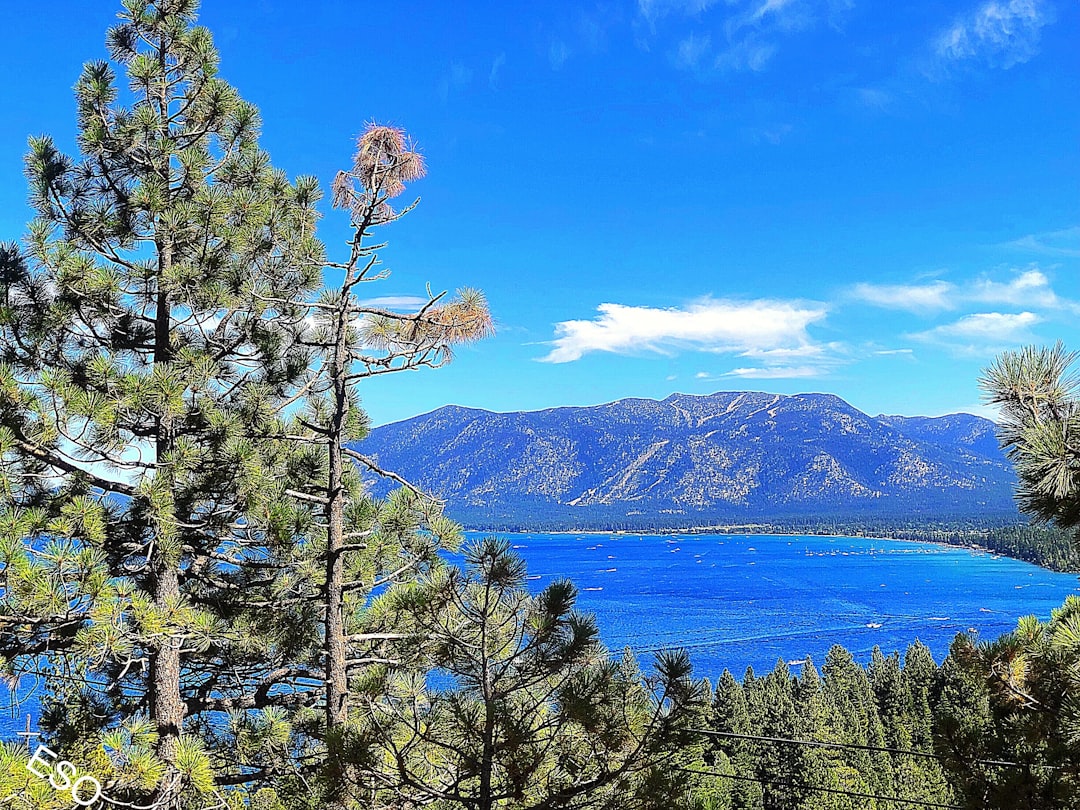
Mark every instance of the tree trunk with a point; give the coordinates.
(336, 675)
(166, 704)
(336, 680)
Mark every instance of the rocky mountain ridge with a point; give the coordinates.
(725, 456)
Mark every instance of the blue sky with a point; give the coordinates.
(867, 199)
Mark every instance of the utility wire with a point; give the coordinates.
(813, 743)
(820, 789)
(855, 746)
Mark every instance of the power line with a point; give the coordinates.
(820, 789)
(813, 743)
(857, 747)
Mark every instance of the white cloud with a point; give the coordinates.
(875, 98)
(747, 54)
(769, 7)
(937, 295)
(1000, 33)
(983, 332)
(653, 10)
(690, 50)
(1026, 289)
(707, 325)
(1065, 242)
(809, 351)
(394, 302)
(1029, 289)
(776, 372)
(743, 34)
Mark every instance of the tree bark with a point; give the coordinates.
(166, 702)
(336, 671)
(337, 707)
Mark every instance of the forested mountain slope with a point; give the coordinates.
(687, 459)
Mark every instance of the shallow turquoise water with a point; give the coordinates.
(735, 600)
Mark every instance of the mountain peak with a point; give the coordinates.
(728, 455)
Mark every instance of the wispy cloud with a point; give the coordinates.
(558, 53)
(653, 10)
(785, 362)
(933, 297)
(749, 53)
(496, 68)
(874, 98)
(767, 7)
(792, 362)
(786, 354)
(689, 52)
(456, 78)
(394, 302)
(1027, 288)
(712, 325)
(1064, 243)
(999, 33)
(742, 35)
(776, 372)
(982, 332)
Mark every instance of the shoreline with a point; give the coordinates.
(717, 531)
(761, 529)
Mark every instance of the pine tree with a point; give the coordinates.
(525, 708)
(1014, 700)
(362, 546)
(920, 778)
(783, 764)
(144, 530)
(1039, 398)
(165, 359)
(1018, 698)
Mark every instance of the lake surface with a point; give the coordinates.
(735, 601)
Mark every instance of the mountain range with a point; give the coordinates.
(696, 460)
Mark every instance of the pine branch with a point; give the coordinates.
(374, 467)
(51, 459)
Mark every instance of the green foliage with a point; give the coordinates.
(995, 726)
(845, 705)
(146, 348)
(178, 520)
(523, 707)
(1016, 699)
(1039, 397)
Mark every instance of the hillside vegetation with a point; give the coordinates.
(698, 460)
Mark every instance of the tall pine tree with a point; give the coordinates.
(141, 364)
(361, 546)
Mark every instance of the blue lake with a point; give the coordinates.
(735, 600)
